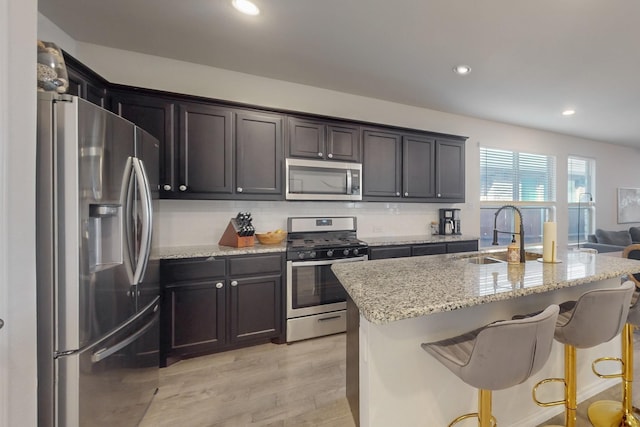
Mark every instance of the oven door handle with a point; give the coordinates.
(327, 262)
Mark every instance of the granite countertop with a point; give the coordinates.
(414, 240)
(177, 252)
(388, 290)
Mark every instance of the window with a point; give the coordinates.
(581, 197)
(525, 180)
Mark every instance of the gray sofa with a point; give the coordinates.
(612, 241)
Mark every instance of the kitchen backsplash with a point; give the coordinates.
(202, 222)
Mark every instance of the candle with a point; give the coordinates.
(549, 239)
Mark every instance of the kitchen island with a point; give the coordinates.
(397, 304)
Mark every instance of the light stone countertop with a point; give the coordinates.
(415, 240)
(388, 290)
(177, 252)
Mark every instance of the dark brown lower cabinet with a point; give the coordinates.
(217, 304)
(197, 312)
(255, 305)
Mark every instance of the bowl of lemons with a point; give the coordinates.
(271, 237)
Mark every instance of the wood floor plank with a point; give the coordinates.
(291, 385)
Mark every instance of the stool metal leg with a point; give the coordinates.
(570, 389)
(485, 419)
(609, 413)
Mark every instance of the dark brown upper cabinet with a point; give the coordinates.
(382, 165)
(205, 156)
(85, 83)
(412, 167)
(157, 116)
(418, 164)
(323, 140)
(450, 186)
(259, 159)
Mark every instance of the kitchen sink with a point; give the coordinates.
(481, 259)
(498, 256)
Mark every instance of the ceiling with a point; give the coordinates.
(530, 60)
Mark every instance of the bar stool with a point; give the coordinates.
(595, 318)
(609, 413)
(497, 356)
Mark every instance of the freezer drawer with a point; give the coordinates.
(113, 382)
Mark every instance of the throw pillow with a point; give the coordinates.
(635, 234)
(618, 238)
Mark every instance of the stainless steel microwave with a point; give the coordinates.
(323, 180)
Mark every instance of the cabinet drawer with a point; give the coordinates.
(252, 265)
(193, 269)
(429, 249)
(389, 252)
(466, 246)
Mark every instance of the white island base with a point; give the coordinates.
(391, 381)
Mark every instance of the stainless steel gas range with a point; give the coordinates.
(316, 301)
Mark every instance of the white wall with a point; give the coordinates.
(196, 222)
(17, 206)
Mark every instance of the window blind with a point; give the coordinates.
(516, 176)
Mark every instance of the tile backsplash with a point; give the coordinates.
(202, 222)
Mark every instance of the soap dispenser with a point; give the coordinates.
(513, 251)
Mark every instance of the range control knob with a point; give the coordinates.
(346, 252)
(301, 255)
(356, 251)
(312, 254)
(330, 253)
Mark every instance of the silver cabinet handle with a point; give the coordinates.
(439, 195)
(406, 194)
(330, 156)
(167, 187)
(319, 154)
(239, 190)
(219, 285)
(183, 187)
(397, 193)
(234, 283)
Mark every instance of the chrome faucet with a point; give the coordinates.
(496, 231)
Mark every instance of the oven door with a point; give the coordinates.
(312, 287)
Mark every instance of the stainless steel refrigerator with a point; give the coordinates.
(97, 288)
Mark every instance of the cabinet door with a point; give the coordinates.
(156, 115)
(196, 317)
(343, 143)
(418, 161)
(205, 155)
(382, 164)
(450, 170)
(384, 252)
(84, 87)
(255, 308)
(306, 138)
(259, 153)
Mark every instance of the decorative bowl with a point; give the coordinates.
(271, 237)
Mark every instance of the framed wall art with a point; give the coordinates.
(628, 205)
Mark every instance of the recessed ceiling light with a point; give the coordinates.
(246, 7)
(568, 112)
(462, 70)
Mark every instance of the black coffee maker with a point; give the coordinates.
(450, 221)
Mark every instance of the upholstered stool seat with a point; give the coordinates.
(497, 356)
(595, 318)
(609, 413)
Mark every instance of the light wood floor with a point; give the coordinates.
(296, 385)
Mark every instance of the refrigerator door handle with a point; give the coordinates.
(103, 353)
(147, 220)
(125, 202)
